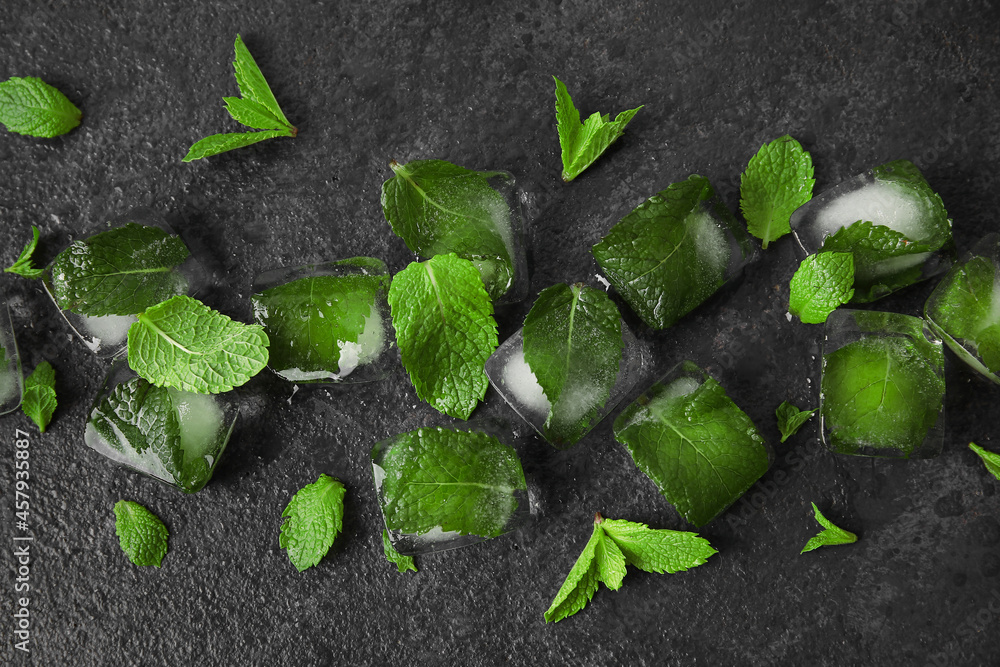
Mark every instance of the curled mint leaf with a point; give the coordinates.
(39, 400)
(23, 266)
(830, 535)
(791, 419)
(777, 180)
(313, 519)
(821, 283)
(141, 534)
(573, 345)
(445, 331)
(30, 106)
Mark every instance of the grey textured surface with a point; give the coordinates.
(858, 84)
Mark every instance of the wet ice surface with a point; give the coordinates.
(890, 204)
(11, 379)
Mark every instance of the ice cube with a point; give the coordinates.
(11, 379)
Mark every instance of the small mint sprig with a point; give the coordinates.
(829, 536)
(24, 265)
(40, 395)
(777, 180)
(791, 419)
(402, 563)
(990, 459)
(312, 520)
(142, 535)
(256, 109)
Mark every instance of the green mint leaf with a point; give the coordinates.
(30, 106)
(437, 207)
(24, 266)
(142, 535)
(908, 182)
(695, 444)
(323, 326)
(830, 536)
(961, 307)
(402, 563)
(462, 481)
(252, 84)
(990, 459)
(445, 331)
(121, 271)
(582, 143)
(884, 259)
(573, 345)
(791, 419)
(657, 551)
(778, 180)
(255, 115)
(581, 582)
(313, 519)
(671, 253)
(185, 344)
(883, 391)
(220, 143)
(821, 283)
(39, 400)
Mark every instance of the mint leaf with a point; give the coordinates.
(185, 344)
(908, 181)
(884, 259)
(990, 459)
(402, 563)
(40, 395)
(581, 583)
(657, 551)
(257, 109)
(465, 482)
(437, 207)
(830, 536)
(691, 440)
(141, 534)
(961, 307)
(791, 419)
(573, 345)
(582, 143)
(445, 330)
(671, 253)
(821, 283)
(777, 180)
(313, 519)
(323, 326)
(24, 266)
(121, 271)
(882, 393)
(220, 143)
(30, 106)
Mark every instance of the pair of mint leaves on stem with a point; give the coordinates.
(34, 108)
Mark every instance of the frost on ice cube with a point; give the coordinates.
(327, 323)
(882, 386)
(964, 308)
(511, 376)
(174, 436)
(117, 265)
(890, 219)
(11, 379)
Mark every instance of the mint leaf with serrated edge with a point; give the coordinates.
(671, 253)
(615, 543)
(961, 307)
(313, 519)
(324, 326)
(881, 393)
(830, 536)
(791, 419)
(445, 330)
(465, 482)
(39, 400)
(821, 283)
(573, 345)
(402, 563)
(582, 143)
(777, 180)
(990, 459)
(141, 534)
(121, 271)
(437, 207)
(256, 109)
(32, 107)
(694, 443)
(24, 265)
(185, 344)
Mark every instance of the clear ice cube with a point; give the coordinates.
(174, 436)
(11, 379)
(327, 323)
(511, 376)
(106, 335)
(882, 385)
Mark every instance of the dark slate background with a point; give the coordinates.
(858, 84)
